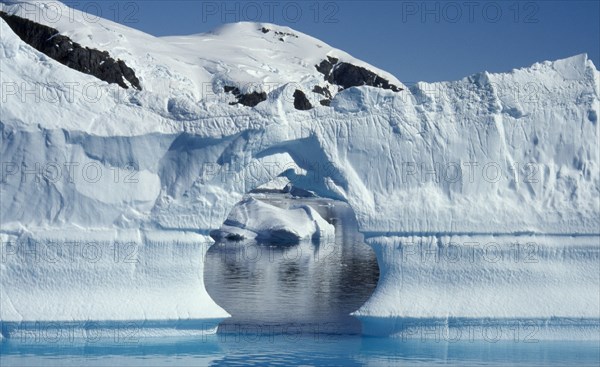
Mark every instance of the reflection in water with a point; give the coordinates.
(311, 285)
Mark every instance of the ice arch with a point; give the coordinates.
(378, 149)
(314, 284)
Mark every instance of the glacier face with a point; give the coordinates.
(491, 155)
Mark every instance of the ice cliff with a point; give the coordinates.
(219, 114)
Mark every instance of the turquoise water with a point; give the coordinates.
(295, 349)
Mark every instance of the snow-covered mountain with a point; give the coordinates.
(207, 118)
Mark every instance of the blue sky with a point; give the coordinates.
(414, 40)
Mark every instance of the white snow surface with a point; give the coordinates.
(255, 219)
(492, 154)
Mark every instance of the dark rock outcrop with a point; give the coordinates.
(248, 99)
(322, 91)
(325, 102)
(60, 48)
(326, 65)
(300, 101)
(347, 75)
(278, 33)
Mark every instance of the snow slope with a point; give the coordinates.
(491, 154)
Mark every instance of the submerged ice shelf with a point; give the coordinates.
(479, 159)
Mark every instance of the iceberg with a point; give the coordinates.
(252, 219)
(494, 157)
(542, 286)
(97, 276)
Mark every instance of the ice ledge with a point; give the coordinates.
(455, 330)
(104, 275)
(495, 277)
(126, 331)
